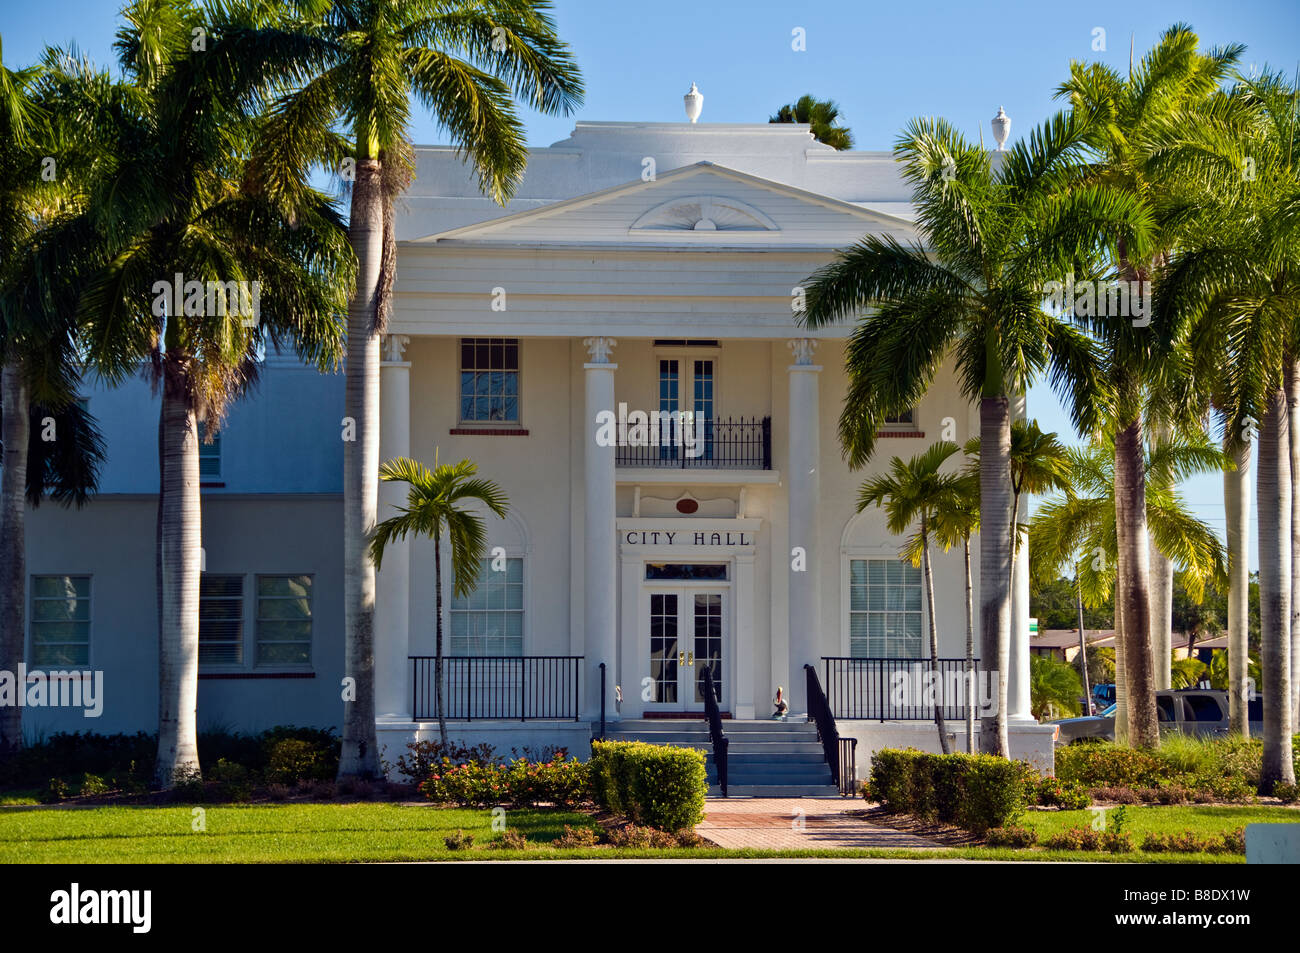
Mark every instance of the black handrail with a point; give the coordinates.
(820, 712)
(602, 701)
(522, 687)
(848, 765)
(720, 741)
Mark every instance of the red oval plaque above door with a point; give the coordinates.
(687, 506)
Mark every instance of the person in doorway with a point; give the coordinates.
(782, 707)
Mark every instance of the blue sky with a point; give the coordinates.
(884, 62)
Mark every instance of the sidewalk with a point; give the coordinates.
(797, 823)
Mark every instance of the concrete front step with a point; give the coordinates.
(775, 790)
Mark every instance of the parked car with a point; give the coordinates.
(1202, 712)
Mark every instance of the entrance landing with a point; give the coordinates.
(798, 824)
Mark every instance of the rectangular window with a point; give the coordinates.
(284, 620)
(60, 620)
(221, 620)
(209, 455)
(489, 380)
(884, 609)
(704, 406)
(902, 421)
(490, 620)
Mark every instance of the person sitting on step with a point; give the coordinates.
(782, 707)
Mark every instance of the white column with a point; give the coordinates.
(742, 693)
(600, 621)
(804, 493)
(393, 583)
(1019, 705)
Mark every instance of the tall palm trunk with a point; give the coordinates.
(995, 565)
(1293, 428)
(1162, 599)
(971, 691)
(1274, 509)
(934, 640)
(1236, 504)
(360, 756)
(437, 642)
(178, 647)
(13, 539)
(1134, 584)
(1121, 683)
(1083, 646)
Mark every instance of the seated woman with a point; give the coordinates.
(782, 707)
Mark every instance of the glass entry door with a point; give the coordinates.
(686, 629)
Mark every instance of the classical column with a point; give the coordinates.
(1019, 705)
(600, 622)
(742, 693)
(393, 583)
(804, 493)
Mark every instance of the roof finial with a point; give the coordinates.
(694, 101)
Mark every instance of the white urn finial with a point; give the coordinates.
(1001, 127)
(694, 101)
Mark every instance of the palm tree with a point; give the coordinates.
(179, 198)
(359, 63)
(1132, 112)
(1078, 528)
(913, 493)
(995, 236)
(956, 520)
(1235, 281)
(444, 498)
(821, 114)
(39, 375)
(1054, 688)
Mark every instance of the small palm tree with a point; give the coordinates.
(821, 115)
(442, 500)
(914, 493)
(1054, 688)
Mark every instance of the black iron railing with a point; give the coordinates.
(714, 443)
(509, 687)
(820, 712)
(720, 741)
(894, 689)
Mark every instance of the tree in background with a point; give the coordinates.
(821, 114)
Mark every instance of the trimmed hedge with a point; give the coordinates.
(658, 785)
(976, 792)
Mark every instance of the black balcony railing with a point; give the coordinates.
(506, 687)
(896, 689)
(714, 443)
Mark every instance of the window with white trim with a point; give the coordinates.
(221, 620)
(60, 624)
(903, 421)
(284, 620)
(489, 380)
(884, 609)
(490, 620)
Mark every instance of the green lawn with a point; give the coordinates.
(391, 832)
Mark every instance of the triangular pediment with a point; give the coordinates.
(700, 204)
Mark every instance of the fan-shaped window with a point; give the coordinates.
(704, 213)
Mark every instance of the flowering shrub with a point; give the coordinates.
(577, 837)
(561, 781)
(422, 757)
(1286, 793)
(1012, 835)
(1067, 795)
(1189, 842)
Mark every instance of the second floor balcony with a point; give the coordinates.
(686, 442)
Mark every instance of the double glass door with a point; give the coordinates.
(686, 630)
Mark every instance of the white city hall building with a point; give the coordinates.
(618, 349)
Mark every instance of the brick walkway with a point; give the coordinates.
(797, 824)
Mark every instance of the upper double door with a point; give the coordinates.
(685, 635)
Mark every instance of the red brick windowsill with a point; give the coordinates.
(900, 433)
(487, 432)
